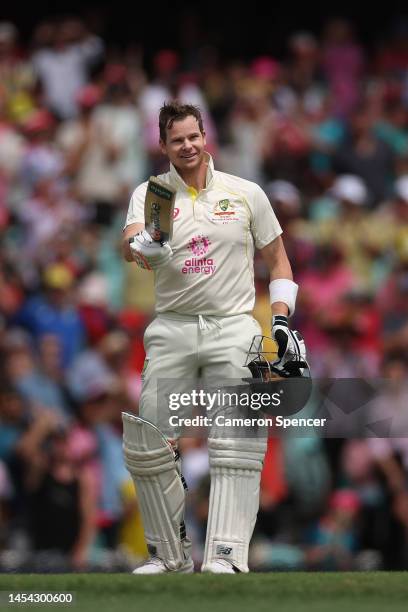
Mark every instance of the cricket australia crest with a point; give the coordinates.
(224, 211)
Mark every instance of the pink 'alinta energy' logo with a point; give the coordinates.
(199, 245)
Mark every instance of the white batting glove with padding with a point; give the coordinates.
(291, 346)
(148, 253)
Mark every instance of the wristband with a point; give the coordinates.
(284, 290)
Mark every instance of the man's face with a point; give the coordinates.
(185, 144)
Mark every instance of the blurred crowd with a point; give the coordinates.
(324, 130)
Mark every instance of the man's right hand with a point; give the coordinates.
(148, 253)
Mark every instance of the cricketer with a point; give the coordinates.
(205, 293)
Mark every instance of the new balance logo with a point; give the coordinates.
(223, 550)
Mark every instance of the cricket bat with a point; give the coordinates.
(158, 209)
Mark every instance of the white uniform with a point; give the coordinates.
(214, 236)
(204, 327)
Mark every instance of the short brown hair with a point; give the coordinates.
(175, 111)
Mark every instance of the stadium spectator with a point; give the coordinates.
(59, 494)
(27, 373)
(343, 65)
(325, 133)
(364, 154)
(53, 313)
(63, 67)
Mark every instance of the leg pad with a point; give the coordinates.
(234, 499)
(150, 460)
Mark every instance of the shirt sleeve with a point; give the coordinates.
(136, 206)
(265, 226)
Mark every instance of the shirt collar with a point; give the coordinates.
(176, 178)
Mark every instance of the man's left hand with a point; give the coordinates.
(289, 347)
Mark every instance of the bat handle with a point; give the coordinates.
(159, 236)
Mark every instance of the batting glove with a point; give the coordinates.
(290, 343)
(148, 253)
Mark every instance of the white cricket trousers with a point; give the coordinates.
(186, 347)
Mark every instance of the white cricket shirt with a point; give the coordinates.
(215, 233)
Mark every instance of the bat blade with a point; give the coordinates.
(159, 207)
